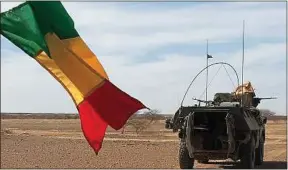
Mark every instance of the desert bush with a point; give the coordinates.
(267, 112)
(142, 122)
(6, 131)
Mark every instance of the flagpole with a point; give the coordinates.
(207, 71)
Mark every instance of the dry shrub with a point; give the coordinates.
(139, 124)
(267, 112)
(143, 121)
(6, 132)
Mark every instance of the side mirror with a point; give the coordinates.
(265, 120)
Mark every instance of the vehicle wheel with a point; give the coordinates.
(248, 155)
(185, 161)
(259, 153)
(203, 161)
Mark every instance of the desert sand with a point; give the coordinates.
(59, 143)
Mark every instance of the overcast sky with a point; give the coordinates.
(153, 50)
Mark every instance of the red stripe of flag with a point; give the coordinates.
(107, 105)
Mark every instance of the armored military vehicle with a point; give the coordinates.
(229, 126)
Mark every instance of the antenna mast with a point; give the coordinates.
(206, 72)
(243, 62)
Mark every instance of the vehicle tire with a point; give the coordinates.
(185, 161)
(248, 154)
(259, 153)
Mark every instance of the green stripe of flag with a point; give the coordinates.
(27, 24)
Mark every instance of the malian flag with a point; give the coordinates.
(45, 32)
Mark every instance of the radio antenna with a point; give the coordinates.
(243, 62)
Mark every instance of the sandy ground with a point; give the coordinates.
(39, 143)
